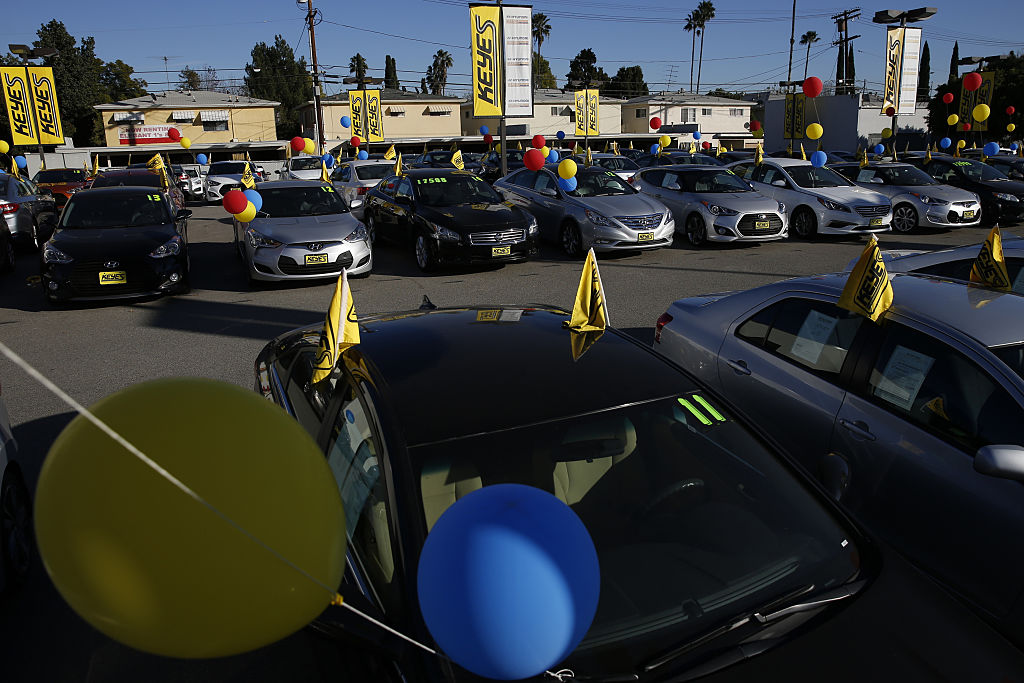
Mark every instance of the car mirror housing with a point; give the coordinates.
(548, 192)
(1004, 461)
(673, 186)
(877, 181)
(779, 183)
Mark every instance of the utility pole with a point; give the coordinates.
(311, 16)
(792, 40)
(843, 28)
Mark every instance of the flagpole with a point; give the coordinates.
(501, 121)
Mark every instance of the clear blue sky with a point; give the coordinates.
(746, 46)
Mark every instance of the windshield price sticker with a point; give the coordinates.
(961, 163)
(326, 188)
(903, 377)
(424, 181)
(694, 403)
(810, 340)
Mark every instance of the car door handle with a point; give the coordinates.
(739, 367)
(858, 428)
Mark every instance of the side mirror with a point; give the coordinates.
(1005, 462)
(877, 181)
(673, 186)
(355, 204)
(548, 192)
(779, 183)
(44, 192)
(183, 214)
(403, 199)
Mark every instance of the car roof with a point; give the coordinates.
(279, 184)
(432, 172)
(580, 168)
(116, 189)
(872, 164)
(126, 172)
(785, 161)
(684, 168)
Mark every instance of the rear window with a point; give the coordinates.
(127, 180)
(373, 171)
(61, 175)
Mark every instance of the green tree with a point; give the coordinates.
(627, 82)
(841, 70)
(583, 68)
(119, 83)
(437, 73)
(275, 74)
(924, 74)
(208, 79)
(719, 92)
(706, 12)
(851, 70)
(541, 29)
(1008, 75)
(542, 76)
(357, 66)
(693, 26)
(188, 78)
(390, 73)
(76, 70)
(954, 63)
(808, 39)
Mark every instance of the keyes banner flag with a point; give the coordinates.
(501, 45)
(19, 108)
(357, 111)
(969, 100)
(587, 112)
(902, 51)
(44, 100)
(367, 122)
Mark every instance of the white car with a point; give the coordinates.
(15, 511)
(222, 177)
(301, 168)
(818, 200)
(353, 179)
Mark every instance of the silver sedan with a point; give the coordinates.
(710, 203)
(303, 231)
(603, 212)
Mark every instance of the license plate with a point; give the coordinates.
(316, 259)
(501, 251)
(762, 225)
(968, 214)
(113, 277)
(645, 237)
(876, 221)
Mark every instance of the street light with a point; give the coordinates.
(891, 16)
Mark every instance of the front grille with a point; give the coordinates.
(85, 278)
(964, 204)
(499, 237)
(746, 224)
(309, 245)
(289, 267)
(224, 189)
(641, 222)
(872, 211)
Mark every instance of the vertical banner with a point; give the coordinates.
(485, 46)
(909, 71)
(19, 113)
(374, 120)
(357, 112)
(969, 100)
(893, 68)
(580, 99)
(517, 42)
(593, 113)
(794, 121)
(44, 99)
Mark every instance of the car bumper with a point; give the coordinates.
(851, 222)
(453, 252)
(948, 215)
(743, 227)
(215, 194)
(80, 281)
(602, 238)
(1007, 211)
(288, 262)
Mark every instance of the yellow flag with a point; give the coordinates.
(85, 167)
(325, 177)
(457, 161)
(398, 164)
(974, 144)
(339, 332)
(718, 150)
(455, 146)
(821, 147)
(590, 158)
(928, 156)
(589, 313)
(758, 156)
(248, 182)
(868, 290)
(576, 151)
(803, 154)
(14, 169)
(390, 154)
(956, 154)
(693, 147)
(96, 165)
(247, 157)
(864, 159)
(155, 163)
(424, 148)
(789, 149)
(989, 268)
(519, 145)
(606, 143)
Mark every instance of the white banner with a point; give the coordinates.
(908, 78)
(139, 135)
(517, 34)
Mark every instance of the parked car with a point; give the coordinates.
(956, 263)
(1002, 199)
(624, 167)
(449, 216)
(301, 168)
(6, 247)
(918, 200)
(631, 153)
(709, 203)
(117, 243)
(15, 510)
(443, 159)
(914, 424)
(354, 179)
(139, 177)
(736, 155)
(191, 182)
(25, 206)
(224, 176)
(490, 165)
(818, 200)
(1010, 165)
(719, 559)
(303, 231)
(61, 182)
(831, 157)
(603, 212)
(674, 158)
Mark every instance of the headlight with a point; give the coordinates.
(598, 219)
(52, 254)
(532, 227)
(667, 218)
(257, 240)
(717, 210)
(831, 205)
(1006, 197)
(444, 234)
(357, 235)
(171, 247)
(782, 208)
(925, 199)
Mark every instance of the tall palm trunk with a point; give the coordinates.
(700, 61)
(807, 59)
(693, 50)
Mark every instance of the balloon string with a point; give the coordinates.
(336, 599)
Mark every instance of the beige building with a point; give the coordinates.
(553, 111)
(406, 115)
(718, 119)
(203, 116)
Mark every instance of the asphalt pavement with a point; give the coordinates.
(216, 331)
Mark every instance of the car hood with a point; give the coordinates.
(848, 195)
(467, 218)
(111, 243)
(744, 202)
(622, 205)
(943, 193)
(311, 174)
(335, 226)
(64, 187)
(1010, 186)
(231, 178)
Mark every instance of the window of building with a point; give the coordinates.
(736, 112)
(641, 113)
(705, 111)
(688, 115)
(215, 125)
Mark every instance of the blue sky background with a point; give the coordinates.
(745, 49)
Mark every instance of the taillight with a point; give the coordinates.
(632, 180)
(8, 208)
(663, 319)
(362, 190)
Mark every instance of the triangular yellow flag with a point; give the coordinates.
(576, 151)
(390, 154)
(42, 162)
(155, 163)
(803, 154)
(325, 176)
(789, 149)
(398, 165)
(928, 156)
(864, 159)
(989, 267)
(758, 156)
(424, 148)
(956, 153)
(96, 165)
(340, 331)
(85, 167)
(457, 161)
(821, 147)
(590, 158)
(454, 147)
(606, 143)
(974, 144)
(247, 157)
(868, 290)
(14, 169)
(589, 313)
(693, 147)
(519, 145)
(249, 183)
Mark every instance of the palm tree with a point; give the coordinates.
(808, 39)
(705, 13)
(692, 25)
(541, 29)
(357, 66)
(437, 74)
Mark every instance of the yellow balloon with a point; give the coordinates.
(886, 133)
(981, 112)
(952, 119)
(1010, 127)
(759, 133)
(185, 142)
(497, 148)
(545, 150)
(4, 147)
(815, 131)
(310, 147)
(664, 141)
(567, 168)
(156, 570)
(246, 214)
(960, 144)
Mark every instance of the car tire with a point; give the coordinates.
(572, 241)
(371, 228)
(904, 218)
(696, 230)
(15, 528)
(426, 260)
(804, 223)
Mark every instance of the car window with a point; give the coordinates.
(308, 401)
(717, 181)
(934, 386)
(523, 178)
(769, 174)
(345, 174)
(745, 171)
(312, 199)
(653, 178)
(940, 171)
(388, 186)
(404, 188)
(809, 176)
(87, 210)
(372, 171)
(960, 269)
(544, 181)
(864, 175)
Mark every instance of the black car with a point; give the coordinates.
(736, 155)
(443, 159)
(117, 242)
(1009, 165)
(631, 153)
(720, 559)
(6, 247)
(491, 164)
(1002, 199)
(449, 216)
(139, 177)
(674, 157)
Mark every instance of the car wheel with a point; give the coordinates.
(371, 227)
(696, 231)
(425, 258)
(904, 218)
(804, 223)
(572, 242)
(15, 528)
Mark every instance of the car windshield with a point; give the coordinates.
(306, 163)
(904, 175)
(513, 156)
(439, 157)
(975, 170)
(809, 176)
(373, 171)
(713, 181)
(128, 180)
(695, 522)
(121, 210)
(227, 168)
(1012, 355)
(453, 189)
(61, 175)
(308, 200)
(600, 184)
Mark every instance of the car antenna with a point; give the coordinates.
(427, 304)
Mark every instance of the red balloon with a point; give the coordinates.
(235, 202)
(948, 98)
(755, 125)
(173, 134)
(298, 144)
(533, 159)
(706, 144)
(538, 141)
(488, 139)
(972, 81)
(655, 123)
(1010, 110)
(813, 86)
(967, 125)
(890, 111)
(355, 141)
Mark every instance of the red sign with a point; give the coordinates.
(143, 135)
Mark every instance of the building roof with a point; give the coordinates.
(688, 98)
(389, 95)
(546, 96)
(186, 99)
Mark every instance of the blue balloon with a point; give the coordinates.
(818, 159)
(553, 157)
(346, 122)
(21, 161)
(202, 159)
(945, 142)
(567, 184)
(484, 130)
(991, 149)
(508, 581)
(560, 135)
(1014, 147)
(655, 147)
(362, 154)
(328, 160)
(879, 149)
(254, 197)
(696, 135)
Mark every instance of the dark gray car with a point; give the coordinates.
(24, 206)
